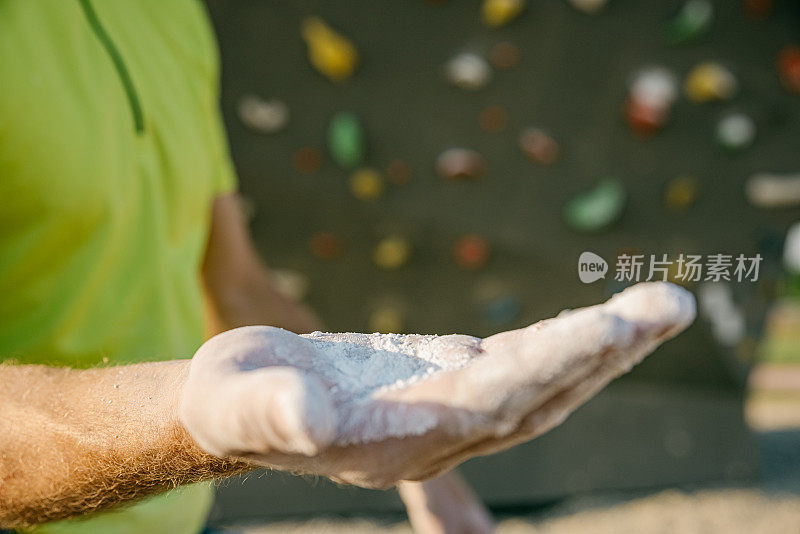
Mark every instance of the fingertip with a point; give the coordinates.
(661, 305)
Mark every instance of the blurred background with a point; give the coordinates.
(439, 167)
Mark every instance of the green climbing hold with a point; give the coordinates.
(693, 20)
(346, 140)
(598, 208)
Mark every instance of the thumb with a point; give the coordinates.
(269, 409)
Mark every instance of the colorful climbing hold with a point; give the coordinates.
(468, 71)
(263, 116)
(488, 288)
(681, 193)
(709, 81)
(346, 140)
(332, 54)
(493, 119)
(598, 208)
(735, 131)
(717, 305)
(386, 320)
(502, 310)
(471, 251)
(307, 160)
(392, 252)
(539, 146)
(460, 164)
(291, 283)
(498, 13)
(791, 249)
(504, 55)
(588, 6)
(692, 20)
(650, 97)
(789, 68)
(758, 9)
(366, 184)
(770, 190)
(399, 171)
(769, 242)
(326, 245)
(655, 86)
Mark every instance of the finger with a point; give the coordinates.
(659, 310)
(486, 401)
(656, 312)
(519, 370)
(548, 415)
(251, 347)
(445, 504)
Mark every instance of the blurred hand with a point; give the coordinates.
(445, 505)
(258, 393)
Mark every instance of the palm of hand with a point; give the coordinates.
(372, 410)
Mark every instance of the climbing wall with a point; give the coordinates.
(440, 166)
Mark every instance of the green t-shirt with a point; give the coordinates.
(111, 151)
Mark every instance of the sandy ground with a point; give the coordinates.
(772, 506)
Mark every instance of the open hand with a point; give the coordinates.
(293, 402)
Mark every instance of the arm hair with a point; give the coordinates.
(77, 441)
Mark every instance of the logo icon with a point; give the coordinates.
(591, 267)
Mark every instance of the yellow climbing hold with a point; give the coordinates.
(498, 13)
(330, 53)
(709, 81)
(386, 320)
(366, 184)
(681, 193)
(392, 252)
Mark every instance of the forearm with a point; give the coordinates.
(239, 288)
(74, 441)
(256, 300)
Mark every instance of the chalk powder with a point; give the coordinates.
(358, 367)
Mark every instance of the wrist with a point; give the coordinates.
(173, 435)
